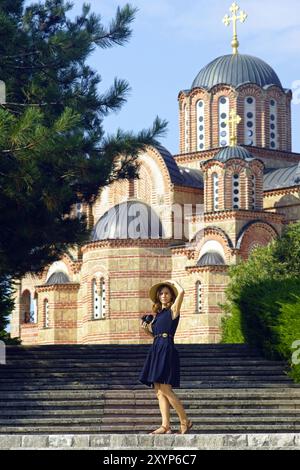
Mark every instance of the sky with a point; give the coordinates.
(173, 40)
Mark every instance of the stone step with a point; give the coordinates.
(128, 419)
(90, 366)
(212, 428)
(288, 413)
(121, 376)
(275, 440)
(191, 404)
(96, 387)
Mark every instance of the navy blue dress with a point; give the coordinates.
(162, 363)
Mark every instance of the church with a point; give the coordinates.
(233, 186)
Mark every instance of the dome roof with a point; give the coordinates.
(211, 258)
(233, 152)
(58, 277)
(236, 69)
(282, 177)
(130, 219)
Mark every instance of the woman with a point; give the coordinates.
(161, 369)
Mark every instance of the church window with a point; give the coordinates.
(223, 125)
(98, 299)
(103, 295)
(46, 314)
(273, 124)
(25, 306)
(198, 297)
(215, 179)
(236, 191)
(249, 120)
(186, 127)
(253, 183)
(79, 210)
(201, 129)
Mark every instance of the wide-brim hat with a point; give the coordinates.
(155, 287)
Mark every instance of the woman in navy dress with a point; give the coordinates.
(161, 369)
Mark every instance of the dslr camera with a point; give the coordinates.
(147, 318)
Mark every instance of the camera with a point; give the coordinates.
(147, 318)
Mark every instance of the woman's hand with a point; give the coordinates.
(176, 284)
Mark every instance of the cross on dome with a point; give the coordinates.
(234, 18)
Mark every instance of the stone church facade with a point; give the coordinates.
(238, 196)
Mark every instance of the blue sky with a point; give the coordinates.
(173, 39)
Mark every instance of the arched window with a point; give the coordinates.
(273, 125)
(186, 128)
(99, 302)
(236, 191)
(79, 210)
(223, 124)
(200, 125)
(46, 314)
(250, 120)
(25, 306)
(215, 181)
(253, 192)
(96, 300)
(102, 297)
(198, 297)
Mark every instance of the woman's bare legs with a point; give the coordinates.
(164, 407)
(174, 401)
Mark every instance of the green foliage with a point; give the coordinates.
(262, 299)
(6, 306)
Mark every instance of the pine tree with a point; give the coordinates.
(54, 152)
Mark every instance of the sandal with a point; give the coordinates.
(185, 426)
(166, 430)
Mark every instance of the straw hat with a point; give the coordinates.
(155, 287)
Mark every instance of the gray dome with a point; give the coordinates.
(58, 277)
(211, 258)
(236, 69)
(282, 177)
(233, 152)
(130, 219)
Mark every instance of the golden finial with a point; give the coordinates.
(234, 18)
(233, 122)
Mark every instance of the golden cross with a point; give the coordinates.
(234, 18)
(233, 122)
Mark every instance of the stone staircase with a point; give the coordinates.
(94, 389)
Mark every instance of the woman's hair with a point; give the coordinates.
(157, 306)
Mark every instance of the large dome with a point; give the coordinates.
(129, 219)
(236, 69)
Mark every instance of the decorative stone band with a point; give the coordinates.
(47, 288)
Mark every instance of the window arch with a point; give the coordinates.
(273, 124)
(199, 300)
(236, 191)
(46, 314)
(215, 181)
(200, 109)
(223, 123)
(250, 120)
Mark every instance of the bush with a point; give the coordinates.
(262, 300)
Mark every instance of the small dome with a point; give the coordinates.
(233, 152)
(58, 277)
(130, 219)
(211, 258)
(236, 69)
